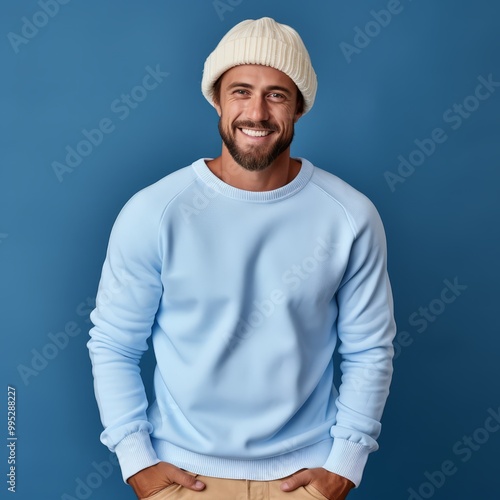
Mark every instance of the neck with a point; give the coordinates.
(282, 171)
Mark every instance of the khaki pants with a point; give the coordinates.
(237, 489)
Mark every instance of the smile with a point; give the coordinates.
(256, 133)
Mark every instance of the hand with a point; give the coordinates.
(329, 484)
(153, 479)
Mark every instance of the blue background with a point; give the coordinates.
(441, 221)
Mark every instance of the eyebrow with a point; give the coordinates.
(269, 88)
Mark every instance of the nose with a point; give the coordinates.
(257, 109)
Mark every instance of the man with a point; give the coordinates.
(247, 268)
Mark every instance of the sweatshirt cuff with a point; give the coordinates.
(347, 459)
(135, 452)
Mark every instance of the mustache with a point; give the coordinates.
(262, 125)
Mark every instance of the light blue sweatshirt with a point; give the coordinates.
(245, 294)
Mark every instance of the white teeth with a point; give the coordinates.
(255, 133)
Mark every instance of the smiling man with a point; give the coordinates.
(246, 296)
(261, 105)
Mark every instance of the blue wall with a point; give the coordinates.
(388, 82)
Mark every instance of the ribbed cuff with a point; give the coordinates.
(135, 452)
(347, 459)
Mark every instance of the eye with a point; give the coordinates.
(275, 96)
(240, 92)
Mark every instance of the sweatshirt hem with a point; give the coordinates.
(262, 469)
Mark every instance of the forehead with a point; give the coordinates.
(257, 76)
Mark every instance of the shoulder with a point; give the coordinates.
(150, 203)
(357, 207)
(140, 218)
(159, 195)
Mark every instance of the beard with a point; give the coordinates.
(254, 158)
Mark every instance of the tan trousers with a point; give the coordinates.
(237, 489)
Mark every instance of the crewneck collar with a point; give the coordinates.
(218, 185)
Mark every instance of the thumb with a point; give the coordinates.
(296, 480)
(188, 481)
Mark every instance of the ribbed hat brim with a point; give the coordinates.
(289, 56)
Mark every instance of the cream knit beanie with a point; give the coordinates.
(266, 42)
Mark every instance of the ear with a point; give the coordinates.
(218, 108)
(299, 106)
(297, 116)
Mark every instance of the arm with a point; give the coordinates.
(366, 329)
(127, 301)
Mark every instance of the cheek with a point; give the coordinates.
(231, 115)
(287, 124)
(234, 108)
(287, 117)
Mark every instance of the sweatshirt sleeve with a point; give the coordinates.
(366, 329)
(127, 301)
